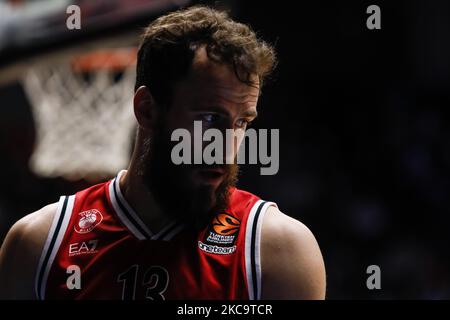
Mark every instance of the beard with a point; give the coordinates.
(175, 188)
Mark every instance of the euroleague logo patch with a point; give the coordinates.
(225, 224)
(220, 238)
(88, 220)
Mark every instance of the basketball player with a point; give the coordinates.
(165, 231)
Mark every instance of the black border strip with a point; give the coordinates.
(128, 215)
(51, 246)
(253, 250)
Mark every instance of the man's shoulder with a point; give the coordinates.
(33, 226)
(291, 258)
(20, 253)
(279, 227)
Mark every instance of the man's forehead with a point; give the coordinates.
(220, 78)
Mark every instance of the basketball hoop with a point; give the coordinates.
(82, 106)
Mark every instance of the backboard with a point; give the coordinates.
(79, 82)
(33, 30)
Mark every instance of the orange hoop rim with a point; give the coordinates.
(117, 59)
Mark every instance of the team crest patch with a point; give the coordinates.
(88, 220)
(220, 237)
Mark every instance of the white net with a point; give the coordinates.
(84, 120)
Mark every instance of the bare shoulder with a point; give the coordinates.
(291, 261)
(32, 228)
(20, 253)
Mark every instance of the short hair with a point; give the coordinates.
(169, 43)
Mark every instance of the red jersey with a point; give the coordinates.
(99, 248)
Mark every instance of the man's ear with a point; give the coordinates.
(144, 108)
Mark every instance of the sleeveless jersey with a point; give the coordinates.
(99, 248)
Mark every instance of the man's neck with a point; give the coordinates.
(142, 201)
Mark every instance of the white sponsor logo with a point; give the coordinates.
(220, 239)
(88, 220)
(88, 247)
(215, 249)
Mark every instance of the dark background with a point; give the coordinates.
(365, 141)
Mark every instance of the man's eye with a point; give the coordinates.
(210, 118)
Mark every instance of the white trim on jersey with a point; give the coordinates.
(248, 241)
(258, 245)
(121, 215)
(129, 210)
(131, 219)
(253, 249)
(54, 238)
